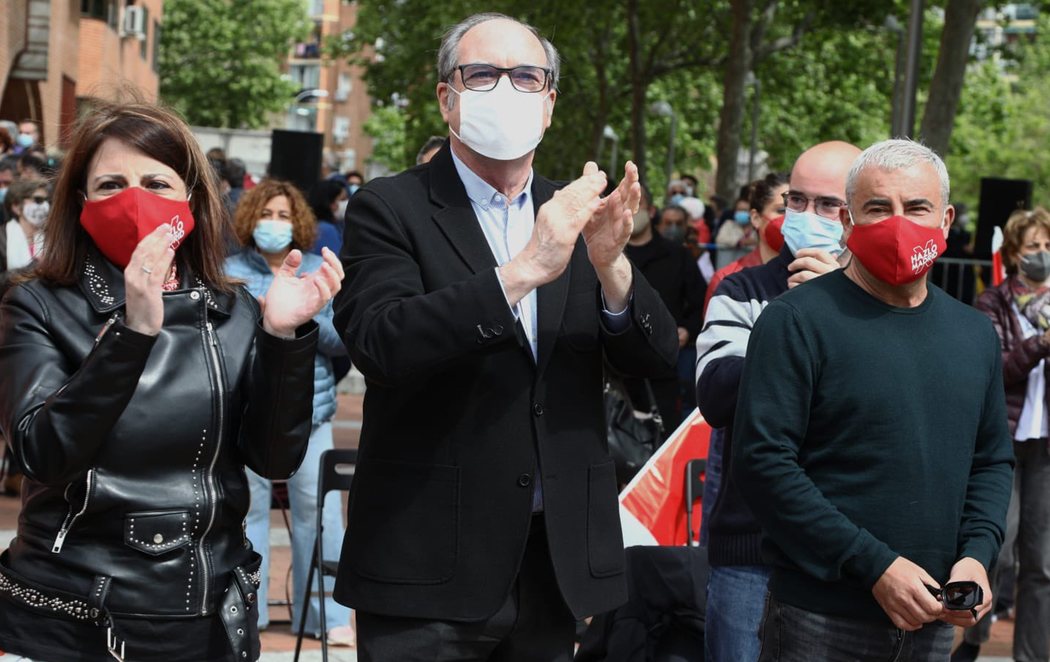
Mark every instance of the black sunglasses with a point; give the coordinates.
(959, 596)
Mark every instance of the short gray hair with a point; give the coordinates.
(448, 53)
(896, 154)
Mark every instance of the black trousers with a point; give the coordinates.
(534, 624)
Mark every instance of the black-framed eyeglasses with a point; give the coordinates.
(825, 206)
(959, 596)
(484, 77)
(39, 199)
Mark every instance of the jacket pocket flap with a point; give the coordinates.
(157, 532)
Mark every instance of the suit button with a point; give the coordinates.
(537, 409)
(524, 480)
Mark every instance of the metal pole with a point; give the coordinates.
(670, 147)
(756, 93)
(911, 73)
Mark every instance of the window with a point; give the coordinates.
(103, 10)
(144, 40)
(156, 45)
(340, 129)
(343, 87)
(306, 76)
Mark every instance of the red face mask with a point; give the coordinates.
(897, 251)
(118, 223)
(772, 234)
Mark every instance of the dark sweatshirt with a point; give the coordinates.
(866, 432)
(734, 537)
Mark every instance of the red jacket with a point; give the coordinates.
(1020, 354)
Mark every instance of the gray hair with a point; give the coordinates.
(448, 53)
(896, 154)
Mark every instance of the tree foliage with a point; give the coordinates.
(834, 79)
(220, 60)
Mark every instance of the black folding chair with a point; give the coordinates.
(336, 474)
(695, 471)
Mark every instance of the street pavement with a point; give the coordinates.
(278, 642)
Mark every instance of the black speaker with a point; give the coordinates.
(999, 199)
(295, 156)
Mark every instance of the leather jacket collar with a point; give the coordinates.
(103, 285)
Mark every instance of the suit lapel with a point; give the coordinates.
(455, 216)
(550, 298)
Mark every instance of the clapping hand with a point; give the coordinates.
(294, 300)
(610, 226)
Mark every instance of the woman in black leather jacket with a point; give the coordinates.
(136, 383)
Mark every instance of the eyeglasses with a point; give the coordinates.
(39, 199)
(484, 77)
(959, 596)
(825, 206)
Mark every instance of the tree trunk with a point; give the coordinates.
(639, 88)
(738, 64)
(960, 18)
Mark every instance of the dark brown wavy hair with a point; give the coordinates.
(304, 225)
(162, 135)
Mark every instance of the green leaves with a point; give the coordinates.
(220, 60)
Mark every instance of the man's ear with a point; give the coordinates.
(847, 222)
(949, 218)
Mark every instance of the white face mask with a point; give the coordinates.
(35, 212)
(503, 123)
(340, 212)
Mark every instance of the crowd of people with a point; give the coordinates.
(172, 331)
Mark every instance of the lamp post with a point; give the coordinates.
(609, 134)
(298, 102)
(664, 109)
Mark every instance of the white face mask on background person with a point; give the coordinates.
(340, 212)
(35, 212)
(503, 123)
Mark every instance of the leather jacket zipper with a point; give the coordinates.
(210, 491)
(71, 517)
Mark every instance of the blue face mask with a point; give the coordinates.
(808, 230)
(272, 236)
(3, 194)
(352, 188)
(742, 217)
(676, 199)
(24, 140)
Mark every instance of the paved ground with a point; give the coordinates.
(278, 642)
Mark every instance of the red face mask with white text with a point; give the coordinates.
(897, 250)
(118, 223)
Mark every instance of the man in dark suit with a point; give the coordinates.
(480, 301)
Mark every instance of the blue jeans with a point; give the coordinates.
(736, 600)
(302, 495)
(712, 481)
(790, 634)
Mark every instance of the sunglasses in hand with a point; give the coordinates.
(959, 596)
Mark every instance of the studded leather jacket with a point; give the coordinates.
(134, 446)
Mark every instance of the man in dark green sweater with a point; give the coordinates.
(871, 439)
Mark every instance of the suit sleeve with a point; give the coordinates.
(771, 421)
(397, 331)
(694, 296)
(57, 416)
(278, 410)
(648, 346)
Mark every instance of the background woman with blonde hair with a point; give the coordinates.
(1020, 311)
(272, 220)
